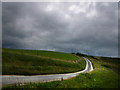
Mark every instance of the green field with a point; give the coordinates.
(105, 75)
(42, 53)
(28, 63)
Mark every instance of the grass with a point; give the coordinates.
(105, 75)
(26, 64)
(42, 53)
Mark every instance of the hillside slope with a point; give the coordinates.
(43, 53)
(27, 63)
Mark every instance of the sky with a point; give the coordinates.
(86, 27)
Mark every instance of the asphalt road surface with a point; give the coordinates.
(15, 79)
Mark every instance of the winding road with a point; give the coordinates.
(11, 79)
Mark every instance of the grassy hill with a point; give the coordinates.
(27, 62)
(105, 75)
(42, 53)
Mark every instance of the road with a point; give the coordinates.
(14, 79)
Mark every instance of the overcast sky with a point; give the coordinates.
(90, 28)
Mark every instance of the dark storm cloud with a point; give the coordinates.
(86, 27)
